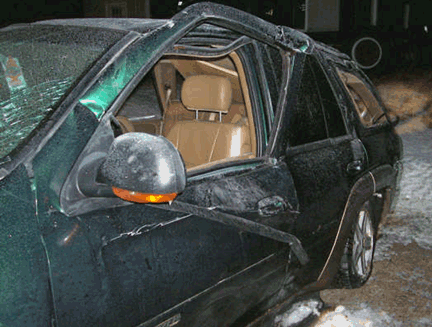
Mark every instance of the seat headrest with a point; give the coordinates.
(207, 93)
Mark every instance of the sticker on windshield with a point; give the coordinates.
(13, 73)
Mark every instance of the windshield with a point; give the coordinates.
(38, 65)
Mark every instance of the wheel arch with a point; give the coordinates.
(379, 182)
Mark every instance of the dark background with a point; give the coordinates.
(400, 26)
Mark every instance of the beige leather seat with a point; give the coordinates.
(201, 142)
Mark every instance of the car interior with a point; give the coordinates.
(366, 105)
(200, 104)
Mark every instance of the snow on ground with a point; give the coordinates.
(335, 317)
(413, 209)
(364, 317)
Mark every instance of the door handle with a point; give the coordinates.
(272, 206)
(355, 166)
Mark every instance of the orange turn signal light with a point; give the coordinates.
(143, 197)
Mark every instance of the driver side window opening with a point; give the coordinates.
(201, 104)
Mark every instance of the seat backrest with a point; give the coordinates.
(207, 93)
(204, 142)
(199, 141)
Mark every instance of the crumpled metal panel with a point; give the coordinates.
(241, 193)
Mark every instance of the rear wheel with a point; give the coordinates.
(356, 265)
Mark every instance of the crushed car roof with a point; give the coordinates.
(141, 25)
(216, 14)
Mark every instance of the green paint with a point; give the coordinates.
(23, 269)
(54, 162)
(304, 48)
(102, 94)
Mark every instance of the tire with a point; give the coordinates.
(357, 260)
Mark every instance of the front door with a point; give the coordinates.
(220, 249)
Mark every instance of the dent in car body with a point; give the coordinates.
(241, 192)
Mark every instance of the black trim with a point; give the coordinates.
(264, 90)
(253, 85)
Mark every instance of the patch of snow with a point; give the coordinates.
(414, 204)
(299, 312)
(363, 317)
(425, 322)
(338, 317)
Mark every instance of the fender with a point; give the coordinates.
(382, 179)
(377, 181)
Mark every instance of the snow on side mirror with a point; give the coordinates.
(144, 168)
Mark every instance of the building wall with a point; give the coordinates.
(117, 8)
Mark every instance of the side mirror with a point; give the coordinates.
(144, 168)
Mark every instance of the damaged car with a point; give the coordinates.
(197, 171)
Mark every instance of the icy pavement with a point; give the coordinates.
(412, 216)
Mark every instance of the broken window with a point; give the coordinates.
(38, 65)
(201, 104)
(272, 62)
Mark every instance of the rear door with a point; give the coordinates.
(319, 155)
